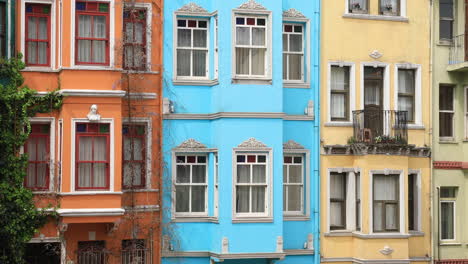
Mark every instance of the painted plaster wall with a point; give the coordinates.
(224, 134)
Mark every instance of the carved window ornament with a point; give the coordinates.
(293, 13)
(191, 144)
(386, 250)
(252, 143)
(376, 54)
(192, 8)
(93, 113)
(252, 5)
(291, 144)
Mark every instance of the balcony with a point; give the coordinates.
(458, 57)
(375, 126)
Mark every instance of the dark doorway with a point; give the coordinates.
(39, 253)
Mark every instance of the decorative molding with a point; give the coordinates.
(358, 149)
(142, 208)
(291, 144)
(450, 165)
(91, 212)
(221, 257)
(298, 252)
(310, 242)
(93, 113)
(279, 244)
(309, 110)
(386, 250)
(191, 144)
(293, 13)
(299, 118)
(225, 245)
(366, 261)
(203, 219)
(252, 5)
(195, 82)
(296, 84)
(168, 115)
(252, 143)
(375, 54)
(192, 8)
(376, 17)
(92, 93)
(142, 96)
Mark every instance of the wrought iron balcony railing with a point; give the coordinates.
(375, 126)
(458, 52)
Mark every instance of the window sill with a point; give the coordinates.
(416, 127)
(338, 124)
(346, 233)
(292, 218)
(139, 72)
(42, 192)
(194, 219)
(296, 85)
(140, 190)
(88, 193)
(93, 68)
(416, 233)
(376, 17)
(246, 80)
(444, 43)
(195, 82)
(442, 243)
(39, 69)
(252, 220)
(448, 141)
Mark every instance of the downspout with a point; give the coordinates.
(438, 226)
(60, 33)
(317, 214)
(431, 93)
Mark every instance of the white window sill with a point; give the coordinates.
(247, 80)
(296, 218)
(347, 233)
(338, 124)
(93, 68)
(444, 43)
(195, 82)
(376, 17)
(42, 192)
(252, 220)
(139, 72)
(195, 219)
(39, 69)
(88, 193)
(140, 190)
(416, 233)
(296, 85)
(447, 141)
(416, 127)
(448, 243)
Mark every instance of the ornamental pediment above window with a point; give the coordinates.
(192, 8)
(252, 5)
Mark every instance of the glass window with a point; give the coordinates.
(358, 6)
(386, 203)
(446, 16)
(447, 197)
(134, 55)
(406, 92)
(92, 33)
(413, 202)
(251, 184)
(92, 161)
(390, 7)
(191, 184)
(446, 111)
(293, 184)
(293, 52)
(339, 89)
(192, 48)
(134, 155)
(134, 251)
(38, 150)
(251, 46)
(337, 201)
(37, 39)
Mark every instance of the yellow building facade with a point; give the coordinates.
(375, 131)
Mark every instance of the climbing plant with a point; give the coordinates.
(19, 218)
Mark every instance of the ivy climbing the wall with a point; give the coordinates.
(19, 218)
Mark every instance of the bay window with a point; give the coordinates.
(92, 33)
(386, 203)
(134, 158)
(344, 199)
(293, 52)
(38, 150)
(92, 156)
(251, 48)
(406, 93)
(134, 47)
(251, 184)
(339, 93)
(446, 112)
(389, 7)
(293, 184)
(192, 48)
(191, 185)
(37, 39)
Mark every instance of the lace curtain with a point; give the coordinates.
(92, 174)
(192, 54)
(339, 88)
(406, 92)
(93, 51)
(37, 50)
(386, 202)
(250, 196)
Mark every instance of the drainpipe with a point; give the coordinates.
(431, 94)
(438, 221)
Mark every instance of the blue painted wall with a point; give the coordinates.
(224, 134)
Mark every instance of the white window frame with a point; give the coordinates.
(206, 184)
(207, 49)
(352, 91)
(386, 82)
(303, 52)
(350, 220)
(418, 227)
(111, 37)
(454, 202)
(146, 121)
(465, 105)
(268, 43)
(417, 92)
(112, 168)
(52, 167)
(149, 30)
(216, 184)
(402, 9)
(453, 111)
(53, 32)
(305, 212)
(401, 201)
(254, 217)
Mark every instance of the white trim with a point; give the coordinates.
(53, 31)
(51, 122)
(91, 212)
(111, 123)
(386, 82)
(111, 36)
(149, 133)
(60, 156)
(453, 112)
(352, 90)
(417, 90)
(401, 202)
(305, 213)
(453, 201)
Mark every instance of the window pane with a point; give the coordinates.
(406, 81)
(85, 148)
(447, 192)
(243, 173)
(84, 50)
(295, 67)
(41, 175)
(378, 216)
(295, 43)
(183, 174)
(242, 61)
(129, 32)
(446, 8)
(446, 124)
(258, 36)
(42, 28)
(407, 104)
(391, 216)
(84, 26)
(32, 52)
(258, 61)
(259, 174)
(446, 98)
(42, 52)
(386, 187)
(285, 66)
(133, 171)
(242, 36)
(198, 198)
(99, 51)
(242, 199)
(182, 198)
(184, 37)
(295, 174)
(285, 42)
(446, 29)
(31, 175)
(183, 62)
(199, 63)
(337, 186)
(338, 106)
(447, 220)
(84, 174)
(99, 26)
(100, 148)
(32, 27)
(198, 173)
(336, 214)
(294, 198)
(138, 38)
(99, 175)
(199, 38)
(258, 199)
(339, 78)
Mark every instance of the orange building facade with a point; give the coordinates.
(97, 159)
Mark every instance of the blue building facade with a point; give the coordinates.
(241, 139)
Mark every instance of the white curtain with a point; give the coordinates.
(243, 173)
(258, 173)
(258, 61)
(447, 215)
(392, 3)
(198, 198)
(242, 199)
(294, 198)
(242, 36)
(100, 154)
(242, 60)
(31, 173)
(99, 46)
(183, 62)
(406, 85)
(372, 93)
(84, 31)
(386, 189)
(198, 174)
(42, 46)
(258, 36)
(258, 199)
(339, 81)
(199, 39)
(183, 174)
(32, 34)
(199, 63)
(337, 185)
(295, 67)
(86, 171)
(295, 174)
(85, 154)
